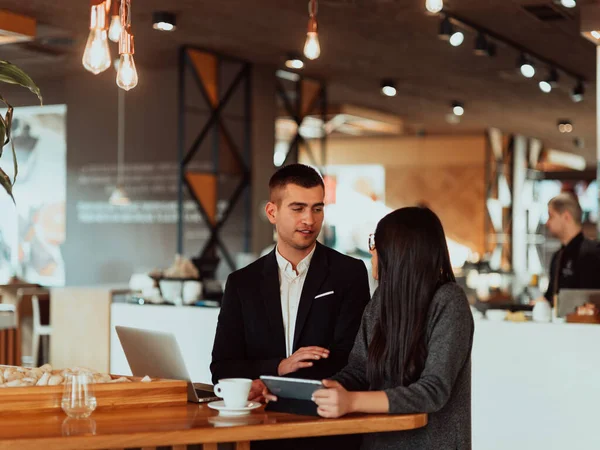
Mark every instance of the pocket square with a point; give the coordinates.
(324, 294)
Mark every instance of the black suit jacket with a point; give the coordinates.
(250, 339)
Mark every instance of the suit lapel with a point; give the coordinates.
(317, 273)
(269, 288)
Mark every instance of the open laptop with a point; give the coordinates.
(570, 299)
(157, 355)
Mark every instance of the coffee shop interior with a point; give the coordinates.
(143, 178)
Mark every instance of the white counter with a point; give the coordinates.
(194, 327)
(536, 386)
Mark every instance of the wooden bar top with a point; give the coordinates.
(180, 425)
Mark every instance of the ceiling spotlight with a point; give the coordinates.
(294, 61)
(545, 87)
(565, 126)
(164, 21)
(457, 38)
(568, 3)
(446, 29)
(550, 82)
(458, 109)
(481, 45)
(595, 34)
(526, 67)
(388, 88)
(434, 6)
(577, 92)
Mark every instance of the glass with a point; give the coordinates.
(78, 427)
(79, 399)
(372, 241)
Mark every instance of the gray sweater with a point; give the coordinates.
(444, 388)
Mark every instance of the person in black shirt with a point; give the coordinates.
(577, 264)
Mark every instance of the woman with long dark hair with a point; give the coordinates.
(413, 351)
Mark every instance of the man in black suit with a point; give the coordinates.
(295, 311)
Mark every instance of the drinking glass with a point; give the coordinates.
(79, 400)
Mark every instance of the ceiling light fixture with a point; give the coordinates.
(114, 31)
(294, 61)
(565, 126)
(457, 39)
(164, 21)
(526, 66)
(96, 56)
(481, 45)
(578, 92)
(127, 77)
(434, 6)
(388, 88)
(550, 82)
(568, 3)
(312, 48)
(458, 108)
(446, 29)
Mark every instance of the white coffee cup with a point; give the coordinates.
(234, 391)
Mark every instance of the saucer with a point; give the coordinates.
(225, 411)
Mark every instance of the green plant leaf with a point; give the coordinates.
(6, 184)
(7, 122)
(9, 73)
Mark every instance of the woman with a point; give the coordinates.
(413, 351)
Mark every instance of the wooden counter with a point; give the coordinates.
(182, 425)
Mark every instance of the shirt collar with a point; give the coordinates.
(286, 266)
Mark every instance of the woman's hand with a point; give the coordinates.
(335, 401)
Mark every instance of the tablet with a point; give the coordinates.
(295, 388)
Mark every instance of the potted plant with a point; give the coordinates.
(11, 74)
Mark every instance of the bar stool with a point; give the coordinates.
(38, 331)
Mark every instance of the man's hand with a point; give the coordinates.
(301, 359)
(334, 401)
(256, 391)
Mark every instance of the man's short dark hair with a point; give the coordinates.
(567, 202)
(298, 174)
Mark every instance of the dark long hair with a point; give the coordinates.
(413, 262)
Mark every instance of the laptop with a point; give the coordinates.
(157, 355)
(570, 299)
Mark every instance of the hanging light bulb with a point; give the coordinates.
(434, 6)
(96, 57)
(127, 77)
(114, 31)
(312, 48)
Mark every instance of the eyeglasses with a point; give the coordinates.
(372, 241)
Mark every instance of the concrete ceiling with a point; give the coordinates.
(362, 42)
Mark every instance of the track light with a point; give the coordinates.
(164, 21)
(446, 29)
(578, 92)
(388, 88)
(458, 109)
(294, 61)
(568, 3)
(550, 82)
(481, 45)
(434, 6)
(565, 126)
(526, 66)
(457, 38)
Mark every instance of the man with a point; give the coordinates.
(295, 311)
(577, 264)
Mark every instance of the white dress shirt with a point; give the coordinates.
(291, 283)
